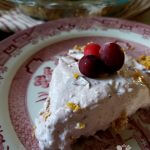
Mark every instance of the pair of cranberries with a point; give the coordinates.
(98, 59)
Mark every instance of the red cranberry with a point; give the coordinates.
(92, 49)
(90, 66)
(112, 56)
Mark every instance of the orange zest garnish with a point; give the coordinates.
(74, 107)
(145, 61)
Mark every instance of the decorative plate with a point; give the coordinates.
(26, 63)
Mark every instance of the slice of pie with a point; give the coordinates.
(79, 105)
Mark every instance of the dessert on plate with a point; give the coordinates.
(91, 89)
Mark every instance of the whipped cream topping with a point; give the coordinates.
(82, 106)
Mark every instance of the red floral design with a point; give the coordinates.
(2, 140)
(42, 96)
(31, 66)
(3, 69)
(43, 80)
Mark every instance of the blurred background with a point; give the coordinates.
(16, 15)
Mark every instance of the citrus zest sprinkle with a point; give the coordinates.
(145, 60)
(76, 75)
(138, 76)
(77, 47)
(74, 107)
